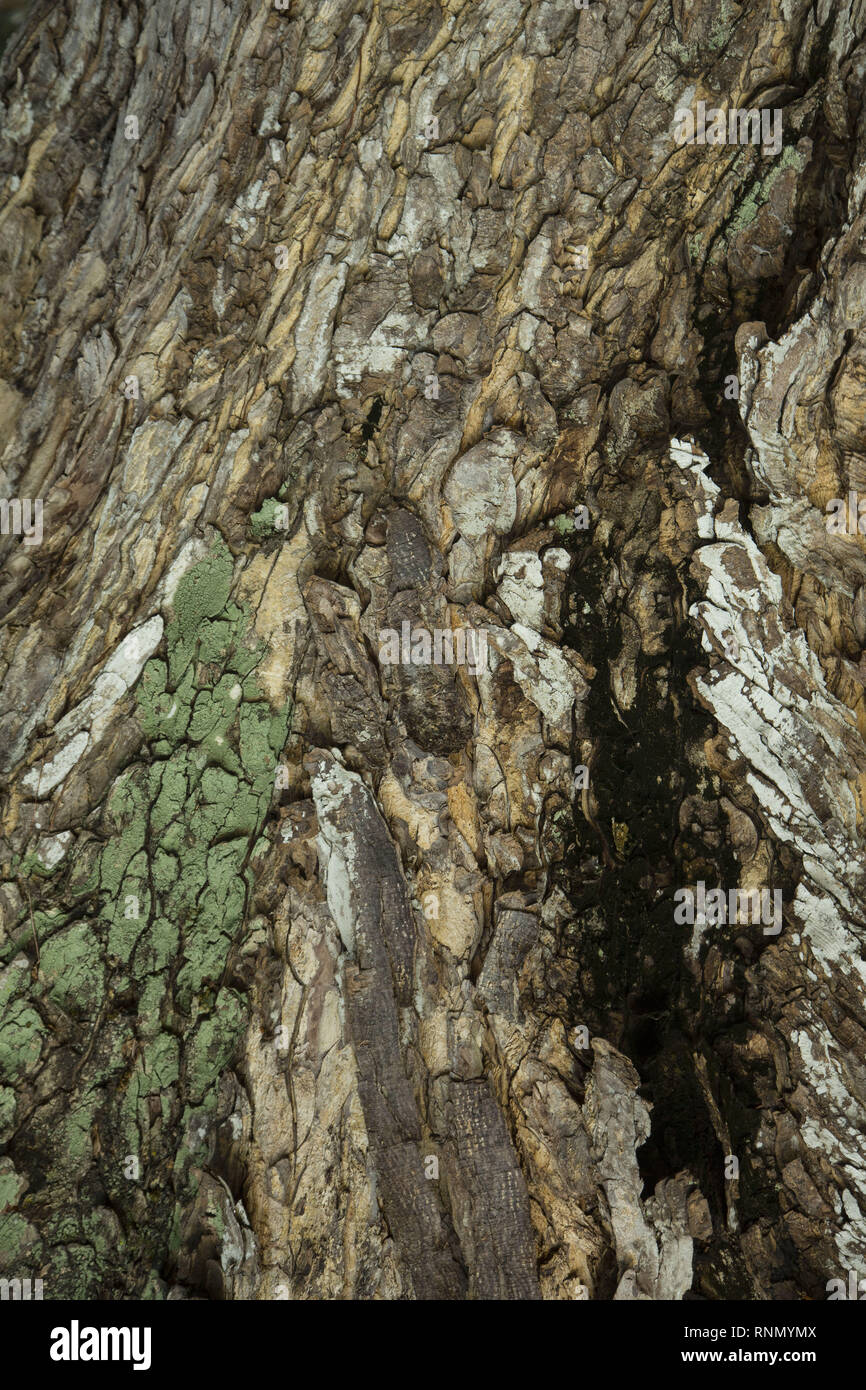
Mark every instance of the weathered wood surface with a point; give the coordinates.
(322, 320)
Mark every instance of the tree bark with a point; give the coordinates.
(325, 974)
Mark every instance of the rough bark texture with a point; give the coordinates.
(298, 947)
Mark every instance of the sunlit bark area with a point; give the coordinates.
(432, 594)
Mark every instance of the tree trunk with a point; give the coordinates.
(422, 579)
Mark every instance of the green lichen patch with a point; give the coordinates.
(16, 1239)
(203, 592)
(214, 1041)
(72, 969)
(7, 1111)
(161, 1062)
(137, 985)
(12, 1185)
(269, 519)
(759, 192)
(21, 1037)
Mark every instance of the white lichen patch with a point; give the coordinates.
(521, 586)
(44, 779)
(380, 354)
(481, 491)
(689, 457)
(51, 849)
(332, 787)
(87, 722)
(244, 217)
(553, 684)
(314, 332)
(804, 763)
(826, 931)
(548, 676)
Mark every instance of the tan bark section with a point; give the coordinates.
(309, 283)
